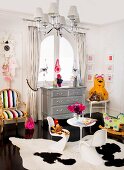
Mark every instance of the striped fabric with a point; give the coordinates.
(9, 98)
(10, 114)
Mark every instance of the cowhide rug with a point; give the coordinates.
(37, 155)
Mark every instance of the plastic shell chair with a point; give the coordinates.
(11, 108)
(88, 144)
(60, 145)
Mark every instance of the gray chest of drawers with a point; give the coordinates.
(56, 100)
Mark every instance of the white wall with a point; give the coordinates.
(93, 49)
(13, 26)
(112, 42)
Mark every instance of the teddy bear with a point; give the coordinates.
(98, 92)
(59, 129)
(56, 129)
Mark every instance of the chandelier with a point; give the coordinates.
(54, 21)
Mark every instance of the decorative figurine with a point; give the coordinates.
(59, 80)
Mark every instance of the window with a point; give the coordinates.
(47, 59)
(51, 48)
(66, 57)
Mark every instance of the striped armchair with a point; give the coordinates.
(11, 108)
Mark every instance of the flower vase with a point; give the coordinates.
(77, 116)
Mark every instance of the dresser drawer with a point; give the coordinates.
(59, 110)
(75, 99)
(59, 93)
(66, 100)
(75, 92)
(59, 101)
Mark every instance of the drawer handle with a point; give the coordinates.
(57, 110)
(57, 101)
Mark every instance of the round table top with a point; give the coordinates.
(80, 122)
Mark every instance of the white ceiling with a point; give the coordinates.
(90, 11)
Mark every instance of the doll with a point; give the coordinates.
(59, 80)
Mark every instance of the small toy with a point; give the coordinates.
(8, 68)
(113, 122)
(56, 129)
(59, 80)
(95, 97)
(57, 68)
(56, 121)
(98, 92)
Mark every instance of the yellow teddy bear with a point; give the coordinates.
(98, 92)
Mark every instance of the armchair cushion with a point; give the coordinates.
(9, 98)
(10, 114)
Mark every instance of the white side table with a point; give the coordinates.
(91, 103)
(79, 123)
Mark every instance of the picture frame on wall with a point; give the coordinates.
(90, 77)
(109, 68)
(110, 58)
(90, 68)
(90, 59)
(109, 78)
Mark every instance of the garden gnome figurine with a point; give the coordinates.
(59, 80)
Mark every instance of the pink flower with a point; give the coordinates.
(77, 108)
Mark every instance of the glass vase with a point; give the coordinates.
(77, 116)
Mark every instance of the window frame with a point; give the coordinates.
(71, 39)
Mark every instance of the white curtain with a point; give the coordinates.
(81, 53)
(34, 40)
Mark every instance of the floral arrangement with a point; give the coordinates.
(77, 108)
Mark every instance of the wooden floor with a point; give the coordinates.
(9, 154)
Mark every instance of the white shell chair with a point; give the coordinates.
(88, 144)
(60, 145)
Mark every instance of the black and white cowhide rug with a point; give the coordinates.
(37, 155)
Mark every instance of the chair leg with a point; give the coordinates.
(16, 122)
(90, 108)
(2, 125)
(105, 107)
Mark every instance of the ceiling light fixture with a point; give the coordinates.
(54, 21)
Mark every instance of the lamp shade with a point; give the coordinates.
(73, 13)
(45, 20)
(38, 14)
(53, 10)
